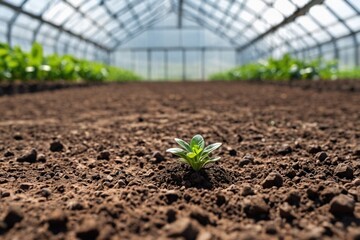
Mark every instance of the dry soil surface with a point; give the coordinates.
(90, 163)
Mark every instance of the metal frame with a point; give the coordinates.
(134, 17)
(166, 50)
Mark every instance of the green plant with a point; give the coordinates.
(17, 65)
(195, 153)
(286, 68)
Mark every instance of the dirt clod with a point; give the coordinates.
(184, 228)
(284, 149)
(287, 213)
(88, 230)
(8, 153)
(12, 216)
(25, 186)
(321, 156)
(255, 207)
(247, 159)
(104, 155)
(232, 152)
(18, 136)
(56, 146)
(247, 190)
(29, 156)
(171, 196)
(41, 158)
(344, 171)
(57, 222)
(158, 157)
(293, 198)
(342, 205)
(274, 179)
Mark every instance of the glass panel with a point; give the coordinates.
(338, 30)
(347, 58)
(250, 33)
(309, 40)
(15, 2)
(76, 3)
(322, 15)
(256, 5)
(342, 9)
(260, 26)
(247, 17)
(59, 13)
(82, 25)
(97, 12)
(23, 20)
(300, 3)
(235, 9)
(6, 14)
(355, 4)
(102, 20)
(22, 32)
(321, 36)
(89, 5)
(307, 23)
(354, 23)
(346, 42)
(285, 7)
(111, 26)
(35, 6)
(272, 16)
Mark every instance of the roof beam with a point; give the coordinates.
(39, 18)
(180, 13)
(299, 12)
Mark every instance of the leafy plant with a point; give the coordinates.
(195, 153)
(17, 65)
(282, 69)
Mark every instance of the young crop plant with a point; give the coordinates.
(195, 153)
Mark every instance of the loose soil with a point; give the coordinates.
(90, 163)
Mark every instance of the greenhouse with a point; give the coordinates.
(180, 119)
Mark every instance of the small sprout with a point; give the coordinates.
(195, 154)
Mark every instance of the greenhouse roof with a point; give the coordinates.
(109, 24)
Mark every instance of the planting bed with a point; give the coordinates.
(290, 166)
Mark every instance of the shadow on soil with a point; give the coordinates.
(182, 175)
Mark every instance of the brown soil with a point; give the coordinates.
(90, 163)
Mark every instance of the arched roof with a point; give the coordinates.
(263, 25)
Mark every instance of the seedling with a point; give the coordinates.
(195, 154)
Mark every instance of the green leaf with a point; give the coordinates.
(3, 52)
(211, 161)
(211, 148)
(197, 140)
(175, 150)
(183, 144)
(191, 155)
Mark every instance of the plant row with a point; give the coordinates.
(287, 68)
(16, 64)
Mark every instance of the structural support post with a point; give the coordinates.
(132, 63)
(166, 64)
(356, 46)
(108, 56)
(183, 65)
(203, 64)
(149, 63)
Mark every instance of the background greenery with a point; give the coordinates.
(15, 64)
(287, 68)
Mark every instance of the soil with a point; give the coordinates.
(90, 163)
(39, 86)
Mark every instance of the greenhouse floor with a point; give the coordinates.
(290, 163)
